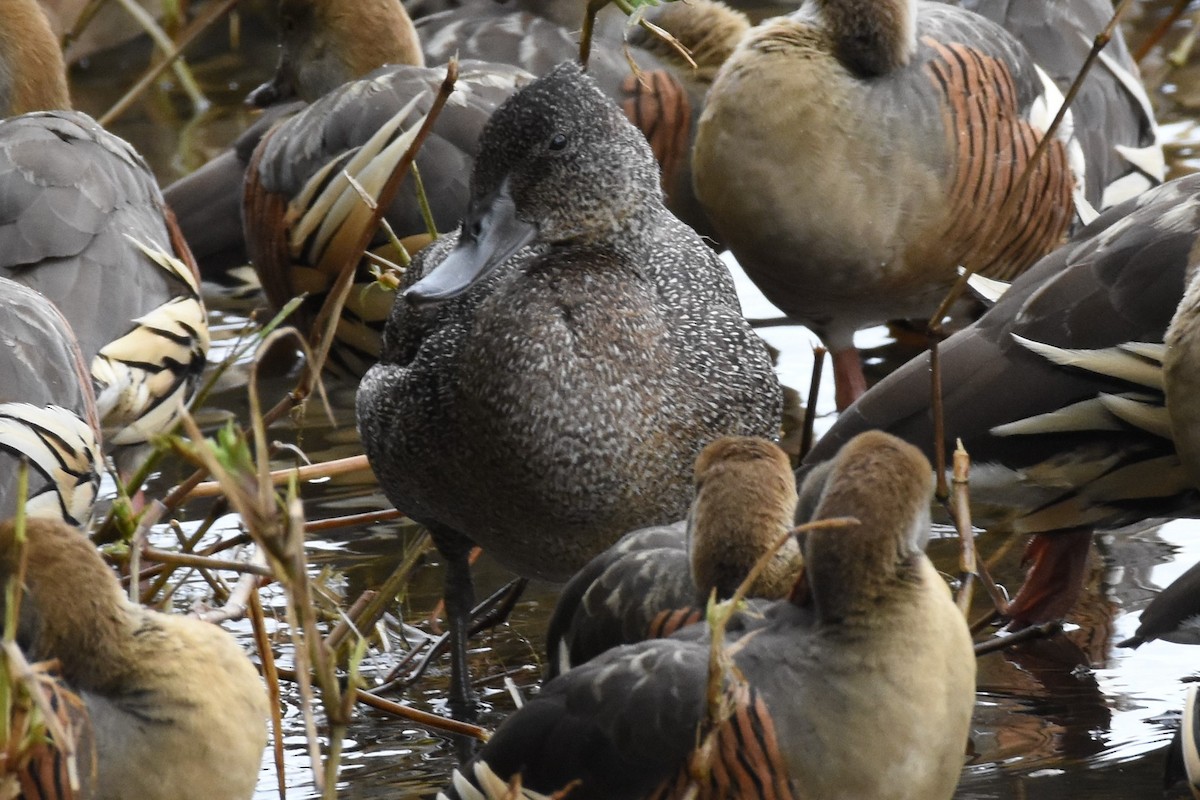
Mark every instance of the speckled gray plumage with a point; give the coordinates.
(70, 194)
(562, 401)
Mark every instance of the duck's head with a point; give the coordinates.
(558, 164)
(886, 484)
(325, 43)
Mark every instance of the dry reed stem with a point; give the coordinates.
(1024, 635)
(1160, 30)
(194, 29)
(279, 477)
(351, 520)
(204, 562)
(271, 675)
(960, 507)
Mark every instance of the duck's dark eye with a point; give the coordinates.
(558, 141)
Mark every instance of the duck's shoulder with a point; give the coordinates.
(69, 150)
(953, 40)
(616, 596)
(393, 97)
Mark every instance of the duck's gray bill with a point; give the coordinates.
(491, 233)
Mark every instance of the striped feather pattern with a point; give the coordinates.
(312, 180)
(739, 757)
(658, 105)
(144, 378)
(53, 770)
(990, 145)
(667, 622)
(64, 458)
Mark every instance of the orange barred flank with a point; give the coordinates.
(667, 622)
(739, 758)
(990, 147)
(43, 771)
(267, 229)
(659, 107)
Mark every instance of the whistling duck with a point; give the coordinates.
(176, 707)
(1053, 393)
(854, 154)
(83, 222)
(561, 361)
(300, 215)
(47, 410)
(655, 579)
(860, 687)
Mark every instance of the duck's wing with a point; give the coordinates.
(1116, 283)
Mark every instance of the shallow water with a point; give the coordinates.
(1072, 718)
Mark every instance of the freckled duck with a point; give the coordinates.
(47, 410)
(550, 373)
(656, 579)
(866, 691)
(1056, 392)
(854, 154)
(177, 709)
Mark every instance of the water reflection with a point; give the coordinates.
(1069, 718)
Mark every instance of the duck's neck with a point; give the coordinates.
(73, 608)
(853, 573)
(871, 37)
(33, 76)
(885, 484)
(382, 33)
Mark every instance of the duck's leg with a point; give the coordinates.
(1057, 568)
(488, 614)
(459, 592)
(848, 379)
